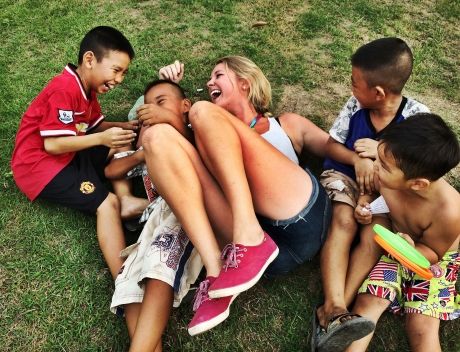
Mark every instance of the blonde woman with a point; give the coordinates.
(239, 183)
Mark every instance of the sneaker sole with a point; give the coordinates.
(234, 290)
(209, 324)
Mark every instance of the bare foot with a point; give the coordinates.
(132, 207)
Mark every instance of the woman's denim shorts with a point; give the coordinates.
(300, 238)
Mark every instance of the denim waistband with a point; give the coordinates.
(306, 209)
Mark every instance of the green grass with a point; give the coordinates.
(54, 287)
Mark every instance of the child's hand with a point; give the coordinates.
(116, 137)
(151, 114)
(366, 148)
(364, 169)
(132, 125)
(363, 213)
(173, 72)
(407, 238)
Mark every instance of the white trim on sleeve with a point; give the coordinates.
(49, 133)
(97, 122)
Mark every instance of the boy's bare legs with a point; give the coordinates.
(132, 312)
(153, 317)
(334, 261)
(370, 307)
(363, 258)
(194, 196)
(110, 233)
(423, 333)
(131, 206)
(247, 168)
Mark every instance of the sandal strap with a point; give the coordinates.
(337, 319)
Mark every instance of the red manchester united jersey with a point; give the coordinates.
(61, 109)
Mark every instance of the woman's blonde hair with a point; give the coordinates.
(260, 91)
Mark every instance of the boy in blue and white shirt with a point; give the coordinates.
(380, 70)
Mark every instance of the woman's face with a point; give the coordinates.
(225, 88)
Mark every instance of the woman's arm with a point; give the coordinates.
(304, 134)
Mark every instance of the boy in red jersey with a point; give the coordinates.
(63, 143)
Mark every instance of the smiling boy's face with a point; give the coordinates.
(388, 173)
(361, 89)
(166, 96)
(106, 74)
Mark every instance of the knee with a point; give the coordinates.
(344, 223)
(419, 327)
(200, 112)
(111, 203)
(157, 137)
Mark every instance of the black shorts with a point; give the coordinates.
(80, 185)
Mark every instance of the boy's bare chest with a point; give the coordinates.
(411, 218)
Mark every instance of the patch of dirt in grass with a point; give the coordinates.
(322, 104)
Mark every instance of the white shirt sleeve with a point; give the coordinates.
(339, 130)
(413, 107)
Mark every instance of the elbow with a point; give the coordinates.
(108, 173)
(51, 147)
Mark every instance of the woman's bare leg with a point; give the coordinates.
(185, 184)
(253, 175)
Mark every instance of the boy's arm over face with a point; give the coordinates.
(152, 114)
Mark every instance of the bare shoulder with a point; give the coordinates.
(292, 119)
(449, 207)
(446, 214)
(293, 125)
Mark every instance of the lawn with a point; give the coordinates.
(55, 289)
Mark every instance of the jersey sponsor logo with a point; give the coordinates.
(65, 116)
(81, 127)
(87, 187)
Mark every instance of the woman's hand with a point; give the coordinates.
(173, 72)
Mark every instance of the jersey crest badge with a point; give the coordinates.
(81, 127)
(66, 116)
(87, 187)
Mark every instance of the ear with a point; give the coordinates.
(243, 84)
(89, 59)
(186, 105)
(419, 184)
(379, 93)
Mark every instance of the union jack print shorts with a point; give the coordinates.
(410, 293)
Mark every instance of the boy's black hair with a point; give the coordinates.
(102, 39)
(385, 62)
(422, 146)
(157, 82)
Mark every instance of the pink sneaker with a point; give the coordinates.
(208, 312)
(244, 265)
